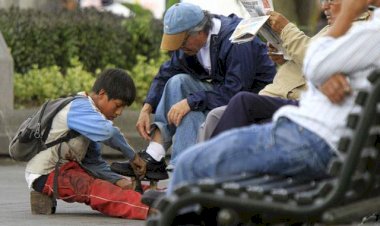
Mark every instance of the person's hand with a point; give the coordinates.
(274, 55)
(124, 183)
(143, 122)
(178, 111)
(139, 166)
(277, 21)
(336, 88)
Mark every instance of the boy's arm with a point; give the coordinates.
(97, 166)
(83, 118)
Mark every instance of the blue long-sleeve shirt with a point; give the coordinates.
(84, 118)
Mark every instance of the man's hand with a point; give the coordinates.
(124, 184)
(139, 166)
(143, 122)
(277, 21)
(336, 88)
(274, 55)
(178, 111)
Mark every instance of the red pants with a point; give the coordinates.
(76, 185)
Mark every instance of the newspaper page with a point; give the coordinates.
(247, 29)
(258, 9)
(252, 7)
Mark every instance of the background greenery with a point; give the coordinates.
(59, 53)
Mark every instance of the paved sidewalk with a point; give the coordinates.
(15, 208)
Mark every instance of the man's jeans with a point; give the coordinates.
(281, 147)
(177, 89)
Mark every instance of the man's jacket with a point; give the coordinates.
(234, 68)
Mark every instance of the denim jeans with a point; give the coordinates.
(177, 89)
(281, 148)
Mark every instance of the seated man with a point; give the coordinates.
(253, 108)
(301, 141)
(204, 72)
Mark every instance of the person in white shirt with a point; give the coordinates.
(301, 141)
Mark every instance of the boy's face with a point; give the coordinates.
(110, 108)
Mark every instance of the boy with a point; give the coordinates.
(83, 175)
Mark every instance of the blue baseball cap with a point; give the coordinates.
(178, 19)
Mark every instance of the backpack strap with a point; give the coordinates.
(70, 135)
(66, 101)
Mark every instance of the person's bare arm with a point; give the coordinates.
(351, 9)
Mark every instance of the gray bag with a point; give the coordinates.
(31, 135)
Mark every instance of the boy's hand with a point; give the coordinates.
(139, 166)
(143, 122)
(124, 184)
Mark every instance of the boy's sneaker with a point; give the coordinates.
(41, 203)
(155, 170)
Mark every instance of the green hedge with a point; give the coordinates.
(97, 39)
(143, 73)
(40, 84)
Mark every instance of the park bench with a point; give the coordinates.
(349, 193)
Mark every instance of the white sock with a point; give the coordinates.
(156, 150)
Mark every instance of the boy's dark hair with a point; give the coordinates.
(117, 84)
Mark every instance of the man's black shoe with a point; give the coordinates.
(155, 170)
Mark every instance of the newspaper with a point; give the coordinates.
(248, 28)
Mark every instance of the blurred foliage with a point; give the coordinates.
(39, 85)
(97, 39)
(170, 3)
(138, 10)
(143, 74)
(58, 53)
